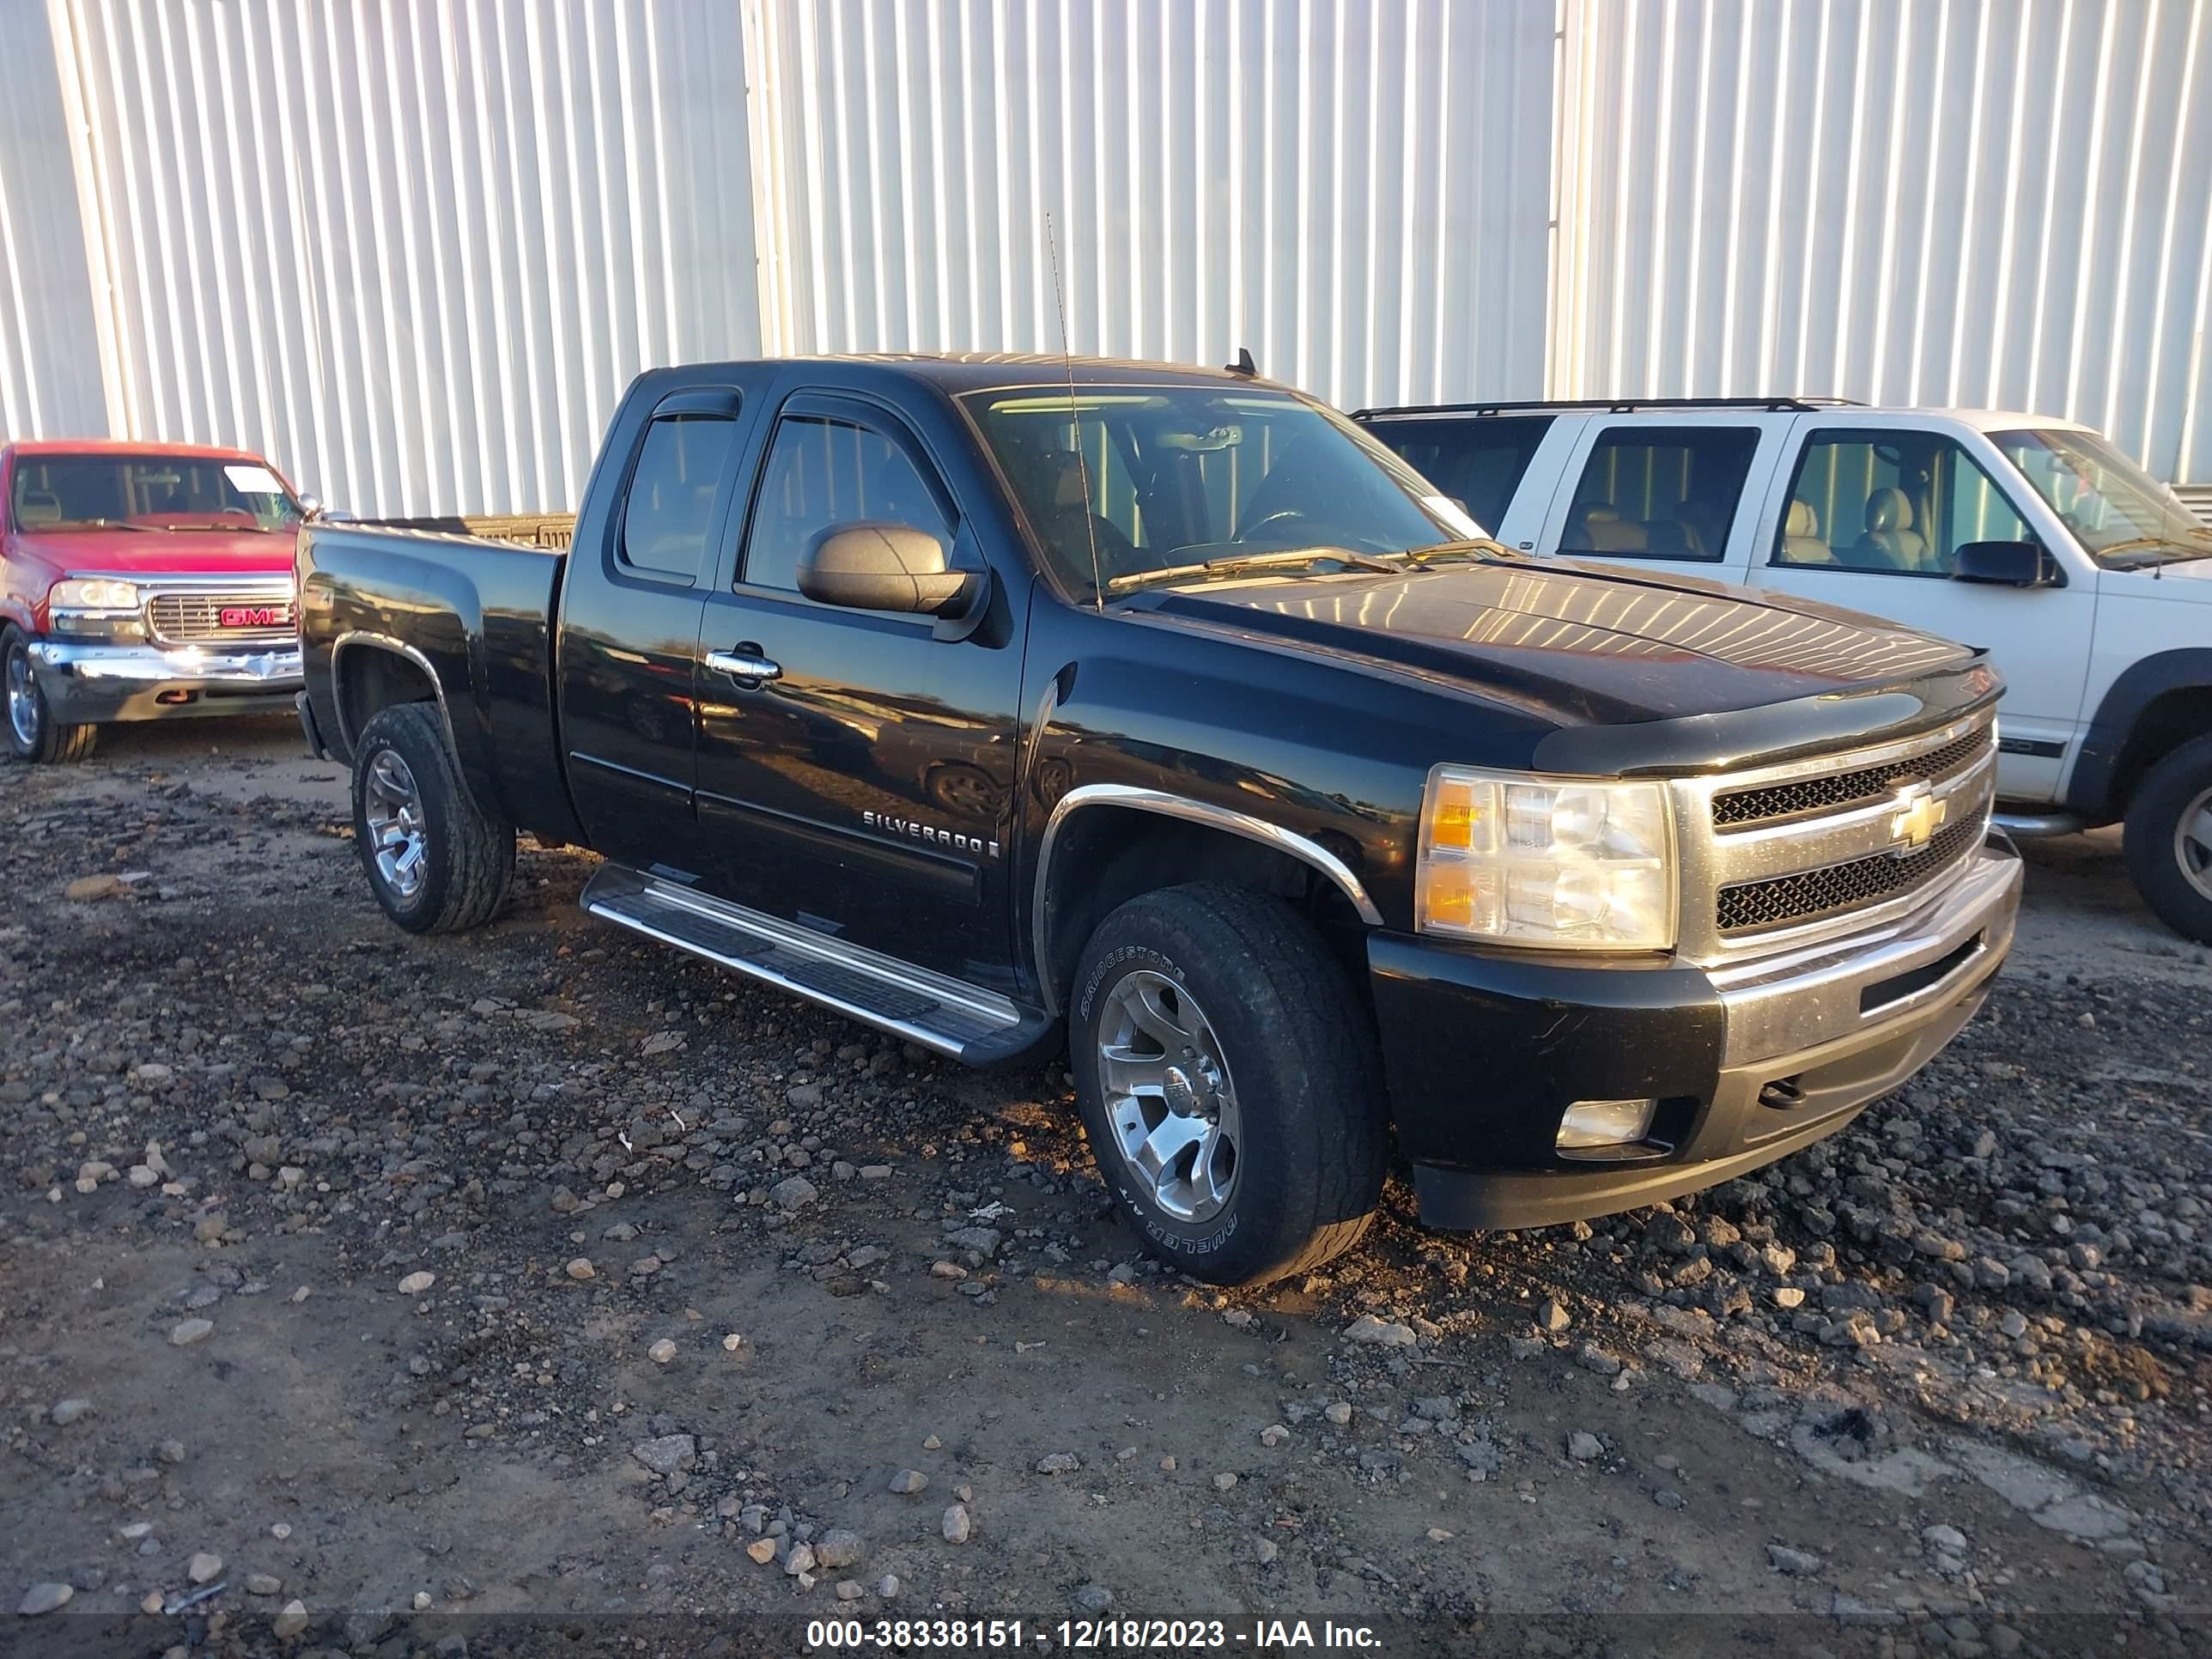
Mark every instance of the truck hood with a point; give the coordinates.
(1583, 645)
(162, 552)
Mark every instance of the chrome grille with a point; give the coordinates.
(191, 618)
(1811, 894)
(1741, 808)
(1784, 857)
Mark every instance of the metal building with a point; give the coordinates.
(413, 249)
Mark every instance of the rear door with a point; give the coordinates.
(1872, 513)
(858, 775)
(1678, 490)
(627, 719)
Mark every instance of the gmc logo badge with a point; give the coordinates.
(255, 616)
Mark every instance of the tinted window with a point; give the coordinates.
(1661, 492)
(822, 472)
(671, 509)
(1901, 502)
(1478, 462)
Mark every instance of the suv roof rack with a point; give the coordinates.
(1612, 405)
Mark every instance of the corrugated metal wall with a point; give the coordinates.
(49, 353)
(1358, 189)
(413, 251)
(1993, 203)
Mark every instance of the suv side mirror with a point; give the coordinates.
(311, 507)
(885, 567)
(2004, 564)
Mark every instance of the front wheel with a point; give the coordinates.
(32, 731)
(1227, 1083)
(2168, 840)
(436, 862)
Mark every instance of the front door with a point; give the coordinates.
(1873, 520)
(856, 772)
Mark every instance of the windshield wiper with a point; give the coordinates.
(1236, 563)
(98, 524)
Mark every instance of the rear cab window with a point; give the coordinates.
(669, 512)
(1477, 461)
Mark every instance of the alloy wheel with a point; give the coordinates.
(1168, 1095)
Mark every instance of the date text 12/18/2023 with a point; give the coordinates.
(1132, 1635)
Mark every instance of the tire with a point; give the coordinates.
(33, 732)
(2168, 840)
(1293, 1086)
(462, 863)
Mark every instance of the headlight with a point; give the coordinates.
(1555, 862)
(92, 593)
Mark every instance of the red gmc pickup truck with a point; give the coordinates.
(141, 582)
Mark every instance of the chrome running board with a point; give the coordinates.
(946, 1015)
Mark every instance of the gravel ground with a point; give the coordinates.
(541, 1290)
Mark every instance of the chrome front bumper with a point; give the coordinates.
(1868, 982)
(92, 681)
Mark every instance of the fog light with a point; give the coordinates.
(1591, 1123)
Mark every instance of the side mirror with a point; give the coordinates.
(2004, 564)
(885, 567)
(311, 507)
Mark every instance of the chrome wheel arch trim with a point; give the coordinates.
(1193, 812)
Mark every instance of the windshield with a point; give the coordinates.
(1164, 479)
(2118, 512)
(179, 493)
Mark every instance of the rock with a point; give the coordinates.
(762, 1550)
(262, 1583)
(867, 1256)
(1945, 1540)
(1338, 1412)
(87, 889)
(984, 1240)
(1789, 1296)
(910, 1481)
(794, 1193)
(1584, 1448)
(203, 1567)
(1273, 1435)
(661, 1352)
(888, 1585)
(1552, 1316)
(876, 1172)
(1094, 1598)
(1797, 1564)
(1059, 1463)
(957, 1527)
(1592, 1357)
(66, 1411)
(1384, 1334)
(415, 1283)
(1265, 1550)
(800, 1560)
(670, 1454)
(43, 1598)
(171, 1451)
(192, 1331)
(1667, 1498)
(290, 1622)
(581, 1269)
(849, 1589)
(840, 1547)
(1225, 1481)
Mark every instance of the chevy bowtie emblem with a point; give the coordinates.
(1917, 817)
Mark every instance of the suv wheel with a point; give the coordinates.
(435, 861)
(2169, 840)
(33, 732)
(1229, 1083)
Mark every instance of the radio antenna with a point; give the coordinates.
(1074, 420)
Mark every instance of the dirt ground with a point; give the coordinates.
(543, 1291)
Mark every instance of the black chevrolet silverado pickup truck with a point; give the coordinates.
(1008, 704)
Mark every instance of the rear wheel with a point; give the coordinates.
(436, 862)
(2168, 840)
(32, 731)
(1227, 1083)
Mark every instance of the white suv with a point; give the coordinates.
(2089, 582)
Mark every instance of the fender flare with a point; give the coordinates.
(2090, 789)
(1164, 805)
(367, 640)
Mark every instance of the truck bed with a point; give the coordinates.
(473, 614)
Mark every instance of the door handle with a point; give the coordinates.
(745, 664)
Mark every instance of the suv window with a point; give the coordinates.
(1478, 462)
(821, 472)
(1661, 492)
(1901, 504)
(671, 507)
